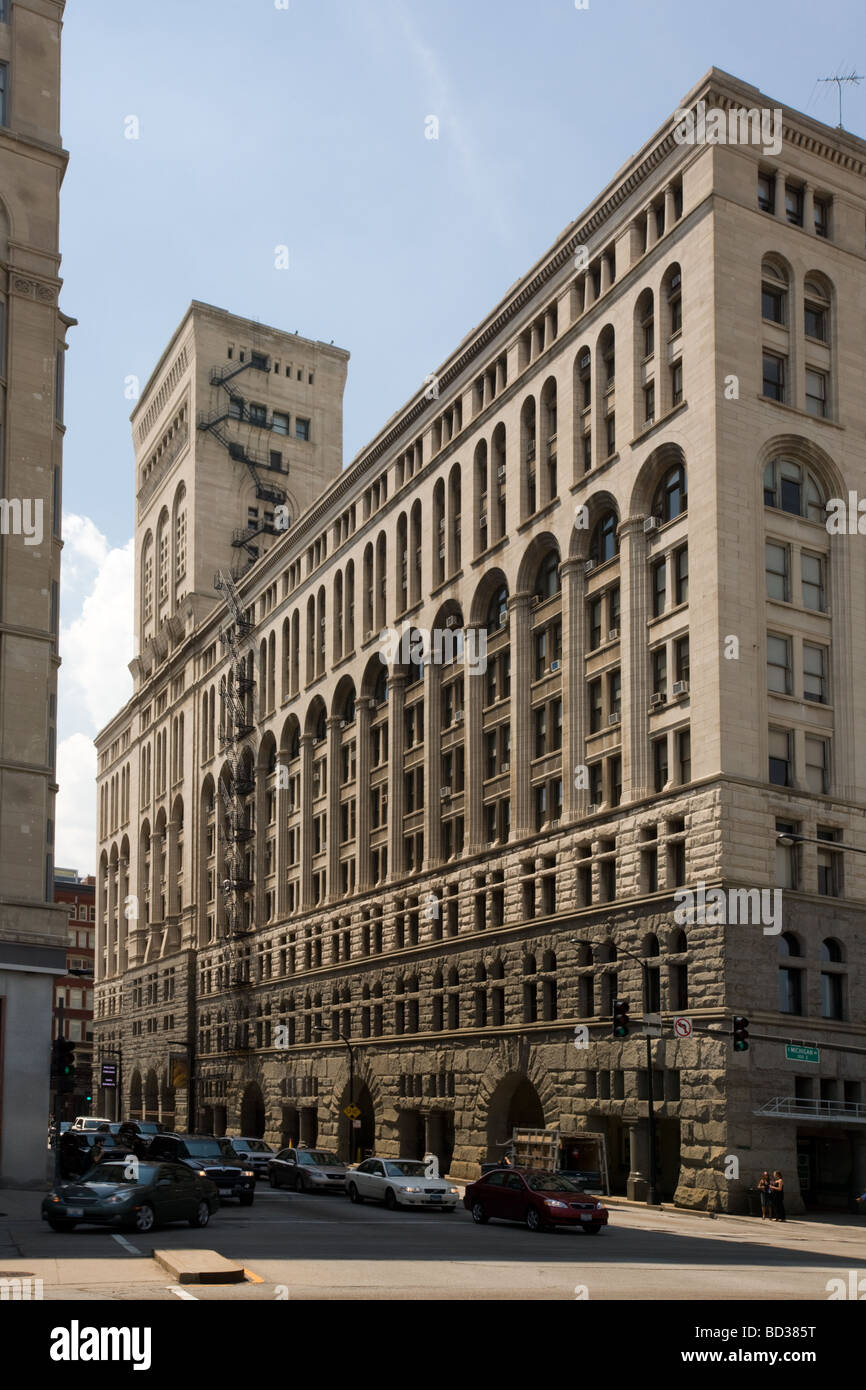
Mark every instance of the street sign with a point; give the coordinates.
(108, 1075)
(351, 1111)
(682, 1027)
(794, 1052)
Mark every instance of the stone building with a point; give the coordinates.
(32, 348)
(74, 991)
(398, 811)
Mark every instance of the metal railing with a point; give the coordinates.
(795, 1107)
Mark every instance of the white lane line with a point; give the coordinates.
(182, 1293)
(121, 1240)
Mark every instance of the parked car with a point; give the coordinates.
(210, 1158)
(255, 1153)
(541, 1200)
(87, 1122)
(400, 1182)
(146, 1128)
(307, 1170)
(112, 1194)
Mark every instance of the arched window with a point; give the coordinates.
(831, 950)
(790, 977)
(380, 692)
(604, 541)
(547, 579)
(791, 487)
(497, 612)
(671, 497)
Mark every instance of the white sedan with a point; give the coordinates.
(400, 1182)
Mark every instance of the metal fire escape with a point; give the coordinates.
(238, 410)
(234, 827)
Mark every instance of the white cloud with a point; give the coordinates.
(96, 646)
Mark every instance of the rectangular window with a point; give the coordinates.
(772, 304)
(812, 577)
(815, 673)
(776, 560)
(594, 706)
(649, 397)
(829, 865)
(587, 452)
(816, 393)
(302, 428)
(660, 763)
(280, 422)
(59, 371)
(648, 337)
(779, 664)
(681, 568)
(815, 322)
(611, 435)
(4, 92)
(594, 624)
(681, 658)
(820, 211)
(614, 692)
(780, 769)
(774, 377)
(794, 205)
(817, 765)
(786, 857)
(659, 587)
(684, 755)
(258, 414)
(766, 192)
(540, 732)
(659, 659)
(676, 383)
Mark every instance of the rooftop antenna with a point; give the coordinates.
(851, 77)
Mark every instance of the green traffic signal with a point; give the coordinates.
(741, 1035)
(620, 1018)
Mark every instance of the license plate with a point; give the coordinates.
(587, 1216)
(75, 1211)
(434, 1199)
(225, 1191)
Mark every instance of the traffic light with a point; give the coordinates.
(66, 1071)
(56, 1056)
(741, 1035)
(620, 1018)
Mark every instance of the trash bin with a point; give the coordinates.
(753, 1197)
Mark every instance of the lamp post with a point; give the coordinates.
(652, 1199)
(350, 1119)
(789, 838)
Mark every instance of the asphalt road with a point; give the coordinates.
(307, 1247)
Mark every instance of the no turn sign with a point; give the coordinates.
(682, 1027)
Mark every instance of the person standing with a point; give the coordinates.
(777, 1188)
(765, 1194)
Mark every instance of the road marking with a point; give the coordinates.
(253, 1278)
(121, 1240)
(182, 1293)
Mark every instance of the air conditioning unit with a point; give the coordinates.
(613, 634)
(588, 566)
(591, 810)
(681, 687)
(656, 700)
(451, 620)
(506, 767)
(482, 520)
(554, 665)
(458, 716)
(444, 791)
(500, 472)
(613, 718)
(651, 524)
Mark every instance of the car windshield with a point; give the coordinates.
(210, 1148)
(319, 1158)
(551, 1182)
(405, 1170)
(256, 1146)
(128, 1174)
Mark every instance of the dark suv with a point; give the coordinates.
(210, 1158)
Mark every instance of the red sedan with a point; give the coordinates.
(541, 1200)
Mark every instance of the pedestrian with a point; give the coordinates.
(765, 1194)
(777, 1188)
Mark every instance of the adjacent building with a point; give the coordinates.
(32, 348)
(74, 991)
(426, 753)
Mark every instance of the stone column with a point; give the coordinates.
(364, 709)
(670, 207)
(333, 726)
(638, 1183)
(100, 969)
(306, 847)
(634, 583)
(779, 195)
(282, 849)
(573, 686)
(473, 747)
(171, 911)
(432, 766)
(809, 209)
(112, 918)
(396, 800)
(651, 234)
(605, 274)
(122, 921)
(156, 843)
(521, 720)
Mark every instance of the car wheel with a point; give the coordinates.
(144, 1219)
(246, 1199)
(273, 1180)
(61, 1225)
(479, 1215)
(354, 1195)
(592, 1228)
(533, 1220)
(391, 1200)
(202, 1216)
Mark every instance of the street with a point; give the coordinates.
(295, 1246)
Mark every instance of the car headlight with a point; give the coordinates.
(248, 1173)
(119, 1197)
(599, 1206)
(554, 1202)
(454, 1191)
(202, 1173)
(411, 1189)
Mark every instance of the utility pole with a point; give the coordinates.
(854, 78)
(58, 1104)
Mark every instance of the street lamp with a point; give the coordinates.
(350, 1118)
(788, 838)
(652, 1199)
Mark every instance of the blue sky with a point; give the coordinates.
(305, 127)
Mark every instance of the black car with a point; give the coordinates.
(209, 1158)
(124, 1192)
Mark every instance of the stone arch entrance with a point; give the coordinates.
(290, 1127)
(205, 1124)
(309, 1126)
(151, 1096)
(355, 1139)
(411, 1134)
(135, 1096)
(253, 1112)
(514, 1104)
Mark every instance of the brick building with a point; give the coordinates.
(76, 991)
(415, 790)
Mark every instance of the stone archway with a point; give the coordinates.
(253, 1112)
(151, 1096)
(411, 1134)
(357, 1135)
(135, 1096)
(514, 1104)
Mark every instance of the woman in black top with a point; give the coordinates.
(777, 1187)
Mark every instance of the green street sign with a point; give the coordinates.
(795, 1053)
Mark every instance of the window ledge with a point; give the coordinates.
(802, 414)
